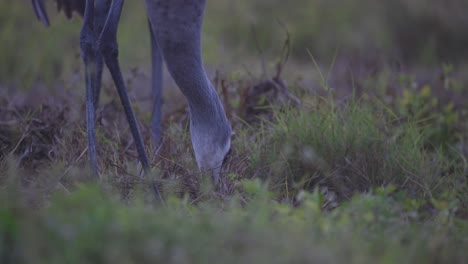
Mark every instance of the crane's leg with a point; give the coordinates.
(88, 54)
(156, 87)
(107, 45)
(101, 10)
(97, 90)
(177, 28)
(93, 23)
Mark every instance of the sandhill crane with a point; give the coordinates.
(175, 28)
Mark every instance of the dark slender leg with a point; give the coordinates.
(97, 90)
(107, 44)
(156, 87)
(101, 10)
(88, 53)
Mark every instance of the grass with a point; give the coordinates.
(91, 225)
(370, 167)
(329, 181)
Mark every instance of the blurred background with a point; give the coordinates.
(237, 34)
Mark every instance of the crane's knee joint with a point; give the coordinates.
(88, 48)
(108, 48)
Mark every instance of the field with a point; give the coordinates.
(350, 143)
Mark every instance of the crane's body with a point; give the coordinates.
(175, 28)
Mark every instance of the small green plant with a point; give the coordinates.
(91, 225)
(347, 149)
(437, 121)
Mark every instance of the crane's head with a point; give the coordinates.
(211, 146)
